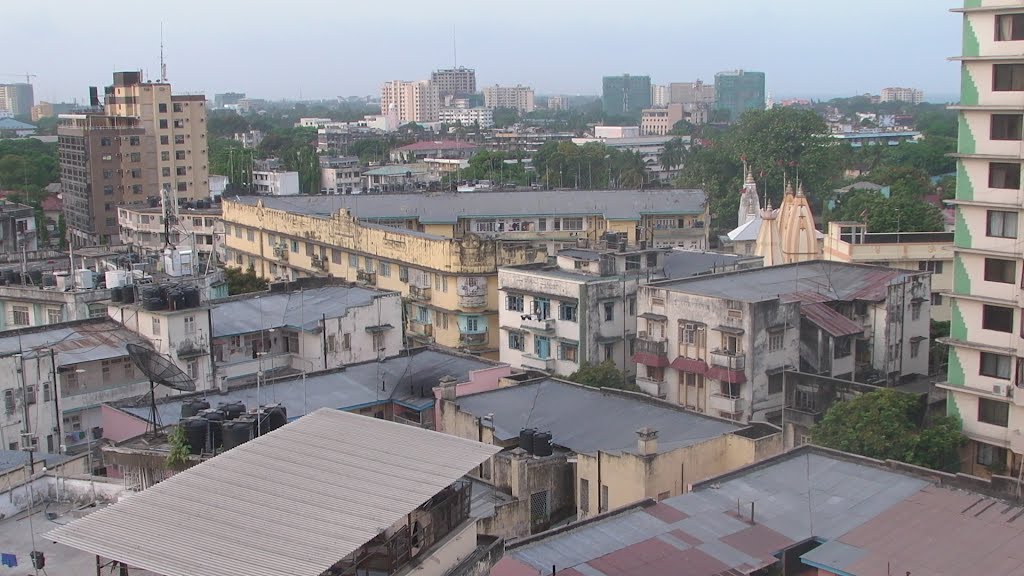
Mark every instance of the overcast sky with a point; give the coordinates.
(327, 48)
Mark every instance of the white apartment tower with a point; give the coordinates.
(516, 97)
(985, 382)
(415, 101)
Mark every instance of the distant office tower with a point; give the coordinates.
(454, 82)
(104, 161)
(516, 97)
(737, 92)
(659, 95)
(415, 101)
(49, 109)
(688, 93)
(178, 124)
(16, 99)
(227, 99)
(626, 95)
(911, 95)
(558, 103)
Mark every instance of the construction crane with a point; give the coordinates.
(28, 77)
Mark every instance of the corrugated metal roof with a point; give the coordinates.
(302, 309)
(72, 343)
(829, 320)
(292, 502)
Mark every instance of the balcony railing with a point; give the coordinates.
(729, 360)
(533, 323)
(419, 293)
(534, 362)
(649, 344)
(421, 328)
(472, 300)
(473, 338)
(191, 348)
(654, 388)
(727, 403)
(805, 417)
(366, 277)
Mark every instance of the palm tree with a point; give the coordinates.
(633, 171)
(671, 156)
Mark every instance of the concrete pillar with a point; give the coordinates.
(647, 441)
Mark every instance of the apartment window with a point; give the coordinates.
(633, 262)
(163, 123)
(177, 107)
(567, 312)
(998, 270)
(136, 188)
(603, 504)
(1001, 224)
(156, 326)
(193, 369)
(993, 412)
(108, 190)
(516, 341)
(179, 124)
(165, 141)
(179, 139)
(485, 226)
(1006, 126)
(108, 174)
(368, 264)
(384, 269)
(1009, 27)
(19, 315)
(250, 235)
(1008, 77)
(993, 457)
(133, 140)
(473, 324)
(632, 306)
(129, 370)
(162, 108)
(179, 171)
(294, 247)
(584, 496)
(542, 308)
(915, 311)
(353, 261)
(775, 341)
(1004, 175)
(843, 344)
(609, 311)
(346, 341)
(514, 302)
(572, 224)
(775, 383)
(933, 266)
(568, 352)
(655, 373)
(332, 343)
(105, 142)
(53, 316)
(136, 173)
(936, 299)
(179, 155)
(106, 374)
(135, 157)
(403, 274)
(609, 352)
(995, 365)
(998, 318)
(915, 348)
(542, 346)
(165, 156)
(190, 324)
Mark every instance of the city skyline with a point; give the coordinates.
(562, 50)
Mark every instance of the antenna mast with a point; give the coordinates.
(163, 64)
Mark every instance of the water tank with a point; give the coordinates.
(128, 293)
(115, 278)
(216, 421)
(259, 421)
(62, 279)
(49, 280)
(277, 416)
(232, 410)
(195, 433)
(526, 439)
(193, 407)
(12, 277)
(193, 297)
(36, 276)
(237, 432)
(542, 444)
(117, 294)
(150, 292)
(85, 279)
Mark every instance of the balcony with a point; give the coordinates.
(728, 360)
(651, 387)
(318, 262)
(726, 403)
(805, 417)
(281, 252)
(419, 293)
(366, 277)
(473, 339)
(190, 348)
(472, 300)
(421, 329)
(649, 344)
(532, 362)
(534, 324)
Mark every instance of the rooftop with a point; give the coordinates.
(585, 420)
(819, 280)
(292, 502)
(72, 342)
(301, 309)
(873, 513)
(408, 379)
(686, 263)
(12, 124)
(396, 170)
(18, 458)
(436, 145)
(448, 207)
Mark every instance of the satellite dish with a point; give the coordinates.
(160, 370)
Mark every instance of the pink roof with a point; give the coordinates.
(439, 145)
(52, 203)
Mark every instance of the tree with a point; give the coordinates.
(884, 424)
(244, 282)
(229, 158)
(178, 456)
(225, 124)
(603, 375)
(505, 117)
(896, 214)
(671, 156)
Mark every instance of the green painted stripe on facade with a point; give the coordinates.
(972, 4)
(961, 279)
(955, 370)
(961, 233)
(965, 140)
(971, 46)
(964, 184)
(968, 89)
(952, 408)
(957, 326)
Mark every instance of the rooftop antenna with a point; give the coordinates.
(163, 64)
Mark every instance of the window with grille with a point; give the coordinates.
(53, 316)
(603, 504)
(190, 324)
(19, 315)
(514, 302)
(584, 496)
(539, 506)
(993, 412)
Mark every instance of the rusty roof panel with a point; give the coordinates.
(829, 320)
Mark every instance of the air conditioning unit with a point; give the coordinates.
(1001, 390)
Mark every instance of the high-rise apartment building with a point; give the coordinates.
(16, 99)
(516, 97)
(659, 95)
(454, 81)
(626, 95)
(104, 161)
(985, 381)
(895, 94)
(738, 91)
(177, 124)
(415, 101)
(689, 93)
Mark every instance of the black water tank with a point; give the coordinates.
(232, 410)
(36, 276)
(277, 416)
(195, 433)
(116, 294)
(237, 432)
(259, 421)
(542, 444)
(216, 420)
(526, 439)
(152, 292)
(49, 279)
(193, 407)
(128, 294)
(193, 297)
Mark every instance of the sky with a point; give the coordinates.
(326, 48)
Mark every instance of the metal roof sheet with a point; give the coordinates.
(303, 309)
(829, 320)
(291, 502)
(72, 343)
(448, 207)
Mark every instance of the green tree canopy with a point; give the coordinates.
(27, 164)
(603, 375)
(895, 214)
(240, 282)
(884, 424)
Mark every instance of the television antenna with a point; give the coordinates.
(159, 369)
